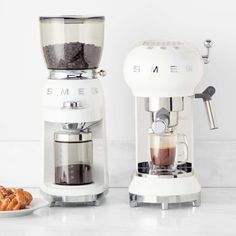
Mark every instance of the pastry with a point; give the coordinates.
(14, 199)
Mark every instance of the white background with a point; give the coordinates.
(23, 70)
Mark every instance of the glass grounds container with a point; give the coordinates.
(73, 157)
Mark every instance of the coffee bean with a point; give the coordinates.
(72, 56)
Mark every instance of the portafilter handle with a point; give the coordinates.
(206, 95)
(160, 121)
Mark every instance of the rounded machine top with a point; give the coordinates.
(163, 69)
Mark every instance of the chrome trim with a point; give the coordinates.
(171, 104)
(168, 107)
(70, 126)
(206, 96)
(81, 18)
(137, 200)
(72, 74)
(176, 174)
(210, 115)
(64, 201)
(76, 74)
(207, 44)
(72, 105)
(72, 136)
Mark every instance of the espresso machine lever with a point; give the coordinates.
(206, 95)
(208, 44)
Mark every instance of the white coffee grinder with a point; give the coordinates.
(74, 136)
(163, 77)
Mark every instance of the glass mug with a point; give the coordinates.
(167, 150)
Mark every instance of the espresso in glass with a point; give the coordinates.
(164, 157)
(163, 151)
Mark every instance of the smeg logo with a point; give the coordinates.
(67, 91)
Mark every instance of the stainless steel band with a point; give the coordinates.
(94, 199)
(76, 74)
(195, 198)
(177, 174)
(72, 137)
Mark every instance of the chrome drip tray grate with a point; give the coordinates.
(183, 169)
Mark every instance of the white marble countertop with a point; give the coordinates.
(216, 216)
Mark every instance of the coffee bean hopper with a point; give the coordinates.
(162, 76)
(74, 137)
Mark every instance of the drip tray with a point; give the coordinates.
(144, 168)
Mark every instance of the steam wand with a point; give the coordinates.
(206, 95)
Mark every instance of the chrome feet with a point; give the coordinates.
(137, 200)
(73, 201)
(133, 200)
(164, 205)
(97, 202)
(196, 203)
(52, 204)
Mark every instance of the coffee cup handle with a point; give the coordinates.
(182, 141)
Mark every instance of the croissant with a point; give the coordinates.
(14, 199)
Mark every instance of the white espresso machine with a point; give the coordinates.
(162, 76)
(74, 136)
